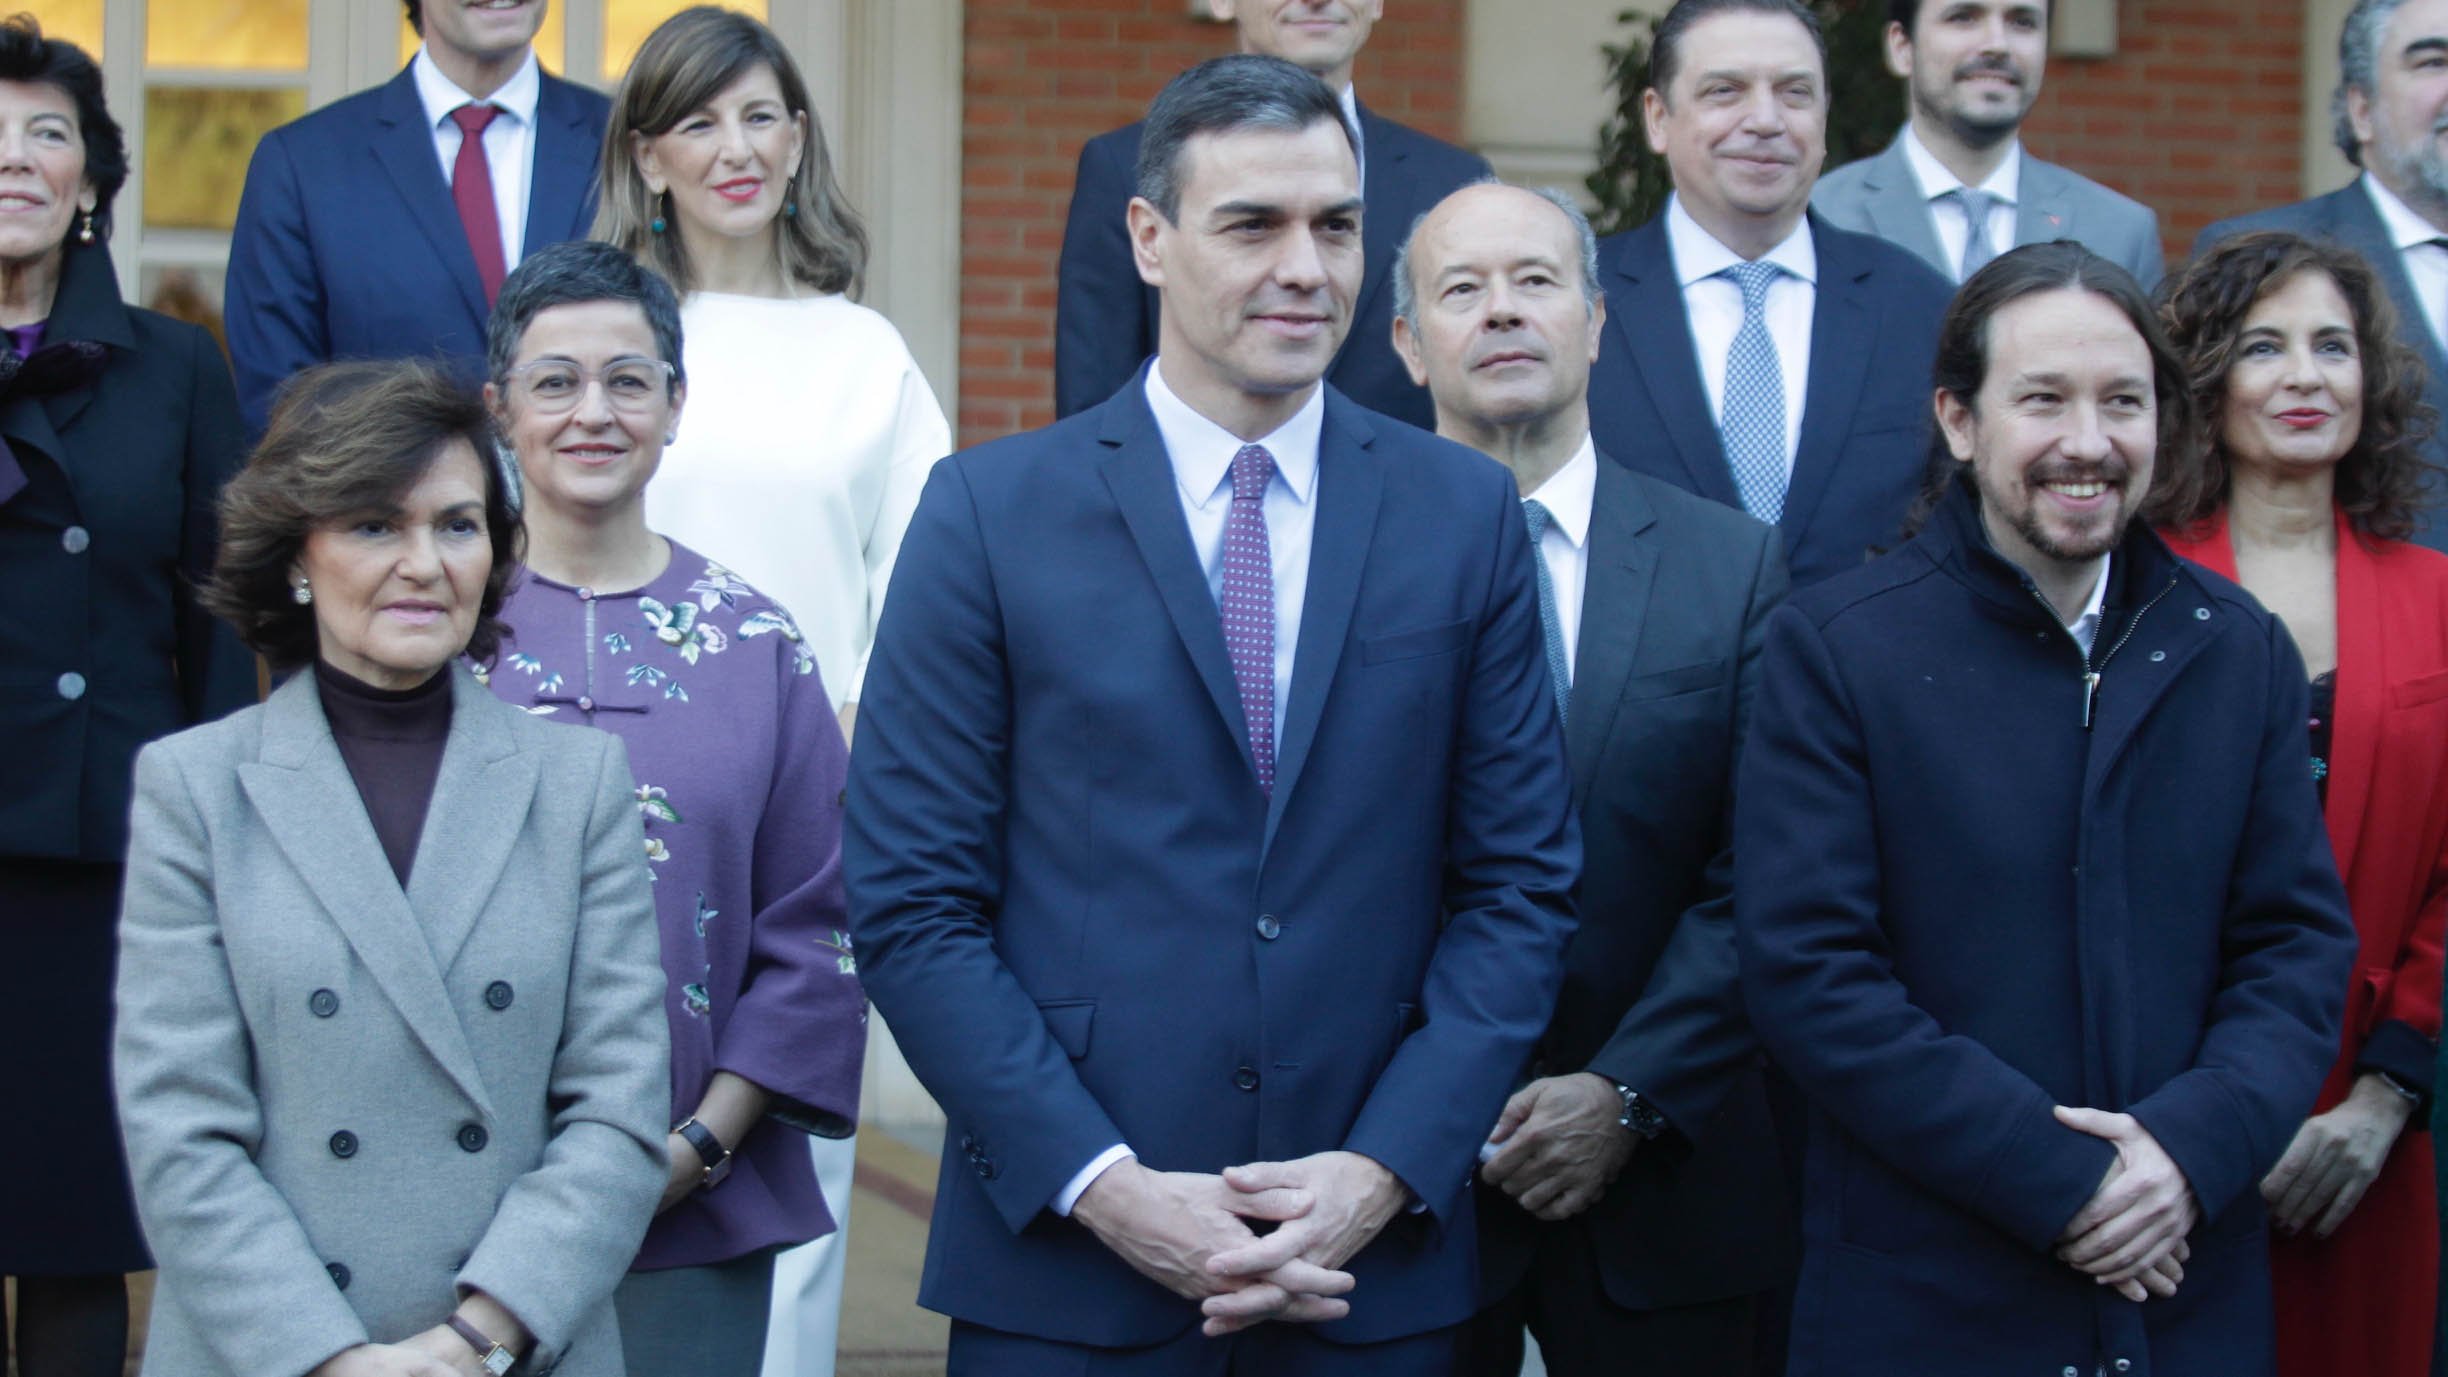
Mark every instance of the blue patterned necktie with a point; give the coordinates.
(1559, 671)
(1752, 423)
(1248, 605)
(1977, 251)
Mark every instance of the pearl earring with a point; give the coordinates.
(85, 234)
(302, 594)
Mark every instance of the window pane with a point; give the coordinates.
(77, 21)
(252, 35)
(627, 22)
(548, 44)
(197, 142)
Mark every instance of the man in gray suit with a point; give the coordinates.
(1956, 186)
(2391, 96)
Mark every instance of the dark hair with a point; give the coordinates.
(2358, 68)
(1906, 12)
(575, 272)
(684, 64)
(2380, 481)
(1243, 91)
(346, 438)
(25, 55)
(1666, 46)
(416, 17)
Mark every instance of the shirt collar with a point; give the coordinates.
(1570, 492)
(2406, 229)
(440, 95)
(1202, 451)
(2099, 596)
(1699, 255)
(1936, 181)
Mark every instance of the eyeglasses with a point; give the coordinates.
(551, 386)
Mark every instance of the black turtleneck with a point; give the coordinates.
(391, 740)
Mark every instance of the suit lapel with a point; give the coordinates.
(302, 790)
(1614, 609)
(1839, 365)
(2043, 210)
(480, 800)
(564, 168)
(2356, 223)
(2362, 694)
(1140, 475)
(1351, 480)
(1643, 314)
(87, 306)
(1898, 210)
(405, 148)
(1387, 193)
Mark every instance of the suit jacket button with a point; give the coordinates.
(323, 1003)
(1246, 1078)
(71, 686)
(344, 1144)
(499, 994)
(339, 1274)
(471, 1138)
(75, 540)
(1269, 926)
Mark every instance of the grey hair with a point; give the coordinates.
(1243, 91)
(2359, 66)
(573, 273)
(1406, 292)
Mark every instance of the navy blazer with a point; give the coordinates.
(1672, 620)
(1866, 412)
(2347, 217)
(1087, 925)
(1105, 317)
(1958, 905)
(347, 244)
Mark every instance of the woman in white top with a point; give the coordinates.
(810, 428)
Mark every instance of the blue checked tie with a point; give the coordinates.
(1753, 422)
(1976, 207)
(1559, 673)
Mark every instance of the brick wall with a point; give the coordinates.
(1044, 76)
(2199, 115)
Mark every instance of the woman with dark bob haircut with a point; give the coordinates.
(2302, 485)
(118, 427)
(391, 1053)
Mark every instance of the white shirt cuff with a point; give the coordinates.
(1088, 1175)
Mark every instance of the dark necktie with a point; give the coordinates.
(472, 193)
(1248, 605)
(1559, 671)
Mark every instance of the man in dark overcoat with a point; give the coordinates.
(2032, 893)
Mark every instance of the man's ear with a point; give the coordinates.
(1956, 422)
(1899, 51)
(2359, 115)
(1653, 120)
(1147, 227)
(1407, 346)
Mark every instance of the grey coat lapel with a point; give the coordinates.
(1614, 609)
(480, 800)
(302, 790)
(2043, 208)
(1891, 194)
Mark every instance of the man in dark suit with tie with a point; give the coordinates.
(2389, 100)
(382, 225)
(1210, 847)
(1631, 1207)
(1105, 317)
(1755, 354)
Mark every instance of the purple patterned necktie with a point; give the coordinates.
(1248, 605)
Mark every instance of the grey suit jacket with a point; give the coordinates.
(1879, 195)
(344, 1104)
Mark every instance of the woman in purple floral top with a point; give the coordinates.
(740, 766)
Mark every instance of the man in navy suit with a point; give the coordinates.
(2389, 101)
(1631, 1209)
(1211, 848)
(1105, 317)
(375, 227)
(1755, 354)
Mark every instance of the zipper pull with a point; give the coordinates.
(2090, 695)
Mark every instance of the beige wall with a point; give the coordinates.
(2324, 168)
(1534, 93)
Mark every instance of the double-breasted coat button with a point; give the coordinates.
(2201, 614)
(339, 1274)
(2123, 1364)
(1246, 1078)
(75, 540)
(1270, 927)
(71, 686)
(323, 1003)
(472, 1138)
(2073, 1372)
(499, 994)
(344, 1144)
(585, 703)
(2157, 656)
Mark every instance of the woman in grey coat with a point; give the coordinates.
(391, 1049)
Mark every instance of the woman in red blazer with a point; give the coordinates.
(2304, 490)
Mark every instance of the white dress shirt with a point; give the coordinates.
(2085, 626)
(509, 141)
(1351, 116)
(1568, 495)
(1202, 454)
(2426, 262)
(1716, 309)
(1947, 216)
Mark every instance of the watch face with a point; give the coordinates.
(498, 1361)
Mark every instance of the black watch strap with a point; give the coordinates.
(710, 1150)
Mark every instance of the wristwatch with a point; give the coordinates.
(1639, 1116)
(710, 1151)
(495, 1358)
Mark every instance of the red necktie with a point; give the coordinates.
(472, 192)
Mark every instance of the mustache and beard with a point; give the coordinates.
(2421, 167)
(2020, 509)
(1977, 126)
